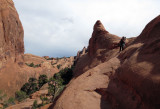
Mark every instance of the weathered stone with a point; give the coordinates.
(11, 34)
(126, 80)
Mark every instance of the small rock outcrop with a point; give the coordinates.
(81, 53)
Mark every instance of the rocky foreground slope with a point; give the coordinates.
(107, 79)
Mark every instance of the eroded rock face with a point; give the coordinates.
(92, 73)
(13, 69)
(128, 80)
(11, 32)
(140, 65)
(100, 49)
(101, 39)
(151, 31)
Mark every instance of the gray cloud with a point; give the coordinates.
(61, 28)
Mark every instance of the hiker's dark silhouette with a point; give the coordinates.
(122, 43)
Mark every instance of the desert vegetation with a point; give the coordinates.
(55, 85)
(58, 82)
(5, 101)
(59, 66)
(32, 65)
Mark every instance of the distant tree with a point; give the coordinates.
(43, 79)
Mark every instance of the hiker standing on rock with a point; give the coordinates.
(122, 43)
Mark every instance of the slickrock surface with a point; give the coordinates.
(107, 79)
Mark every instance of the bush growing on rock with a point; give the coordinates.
(66, 75)
(5, 101)
(35, 105)
(59, 66)
(44, 100)
(43, 79)
(20, 96)
(54, 86)
(2, 95)
(11, 101)
(32, 65)
(30, 87)
(58, 82)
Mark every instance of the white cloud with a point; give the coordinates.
(61, 28)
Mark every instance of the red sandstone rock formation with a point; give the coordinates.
(81, 53)
(100, 48)
(13, 70)
(103, 78)
(11, 34)
(126, 80)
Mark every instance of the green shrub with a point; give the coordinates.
(54, 86)
(43, 79)
(35, 105)
(30, 87)
(66, 75)
(2, 95)
(5, 101)
(44, 100)
(11, 101)
(58, 77)
(20, 96)
(58, 81)
(32, 65)
(25, 88)
(58, 66)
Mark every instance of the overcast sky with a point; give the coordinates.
(60, 28)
